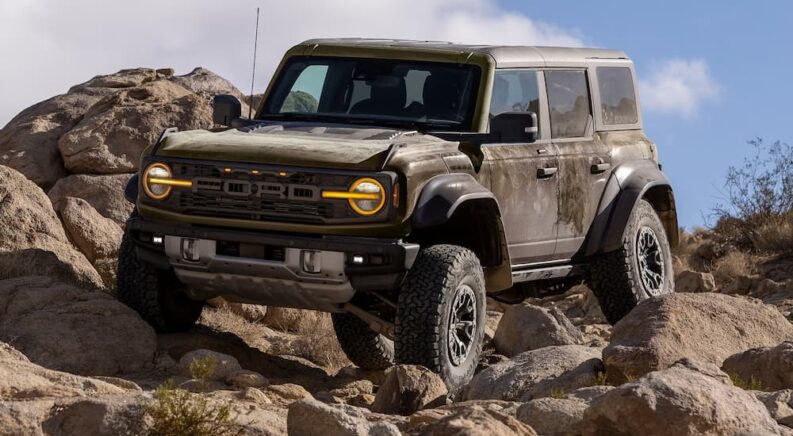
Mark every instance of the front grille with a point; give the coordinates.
(260, 194)
(252, 208)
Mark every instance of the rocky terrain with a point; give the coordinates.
(716, 358)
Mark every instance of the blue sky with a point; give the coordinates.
(713, 74)
(746, 47)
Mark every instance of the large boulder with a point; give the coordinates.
(32, 239)
(688, 398)
(114, 132)
(771, 367)
(35, 400)
(408, 388)
(708, 327)
(101, 126)
(537, 373)
(62, 327)
(103, 193)
(29, 142)
(527, 327)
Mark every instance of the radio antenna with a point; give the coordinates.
(253, 75)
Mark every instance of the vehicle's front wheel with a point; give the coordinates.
(640, 269)
(155, 294)
(441, 314)
(363, 346)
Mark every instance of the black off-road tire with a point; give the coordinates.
(363, 346)
(155, 294)
(615, 277)
(424, 311)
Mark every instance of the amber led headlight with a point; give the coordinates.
(158, 181)
(366, 196)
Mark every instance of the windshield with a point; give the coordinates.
(405, 94)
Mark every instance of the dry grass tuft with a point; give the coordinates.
(317, 342)
(733, 265)
(775, 236)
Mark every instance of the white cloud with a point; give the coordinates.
(678, 86)
(49, 45)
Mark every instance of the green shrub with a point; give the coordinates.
(178, 412)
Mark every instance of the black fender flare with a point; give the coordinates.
(629, 183)
(442, 195)
(131, 190)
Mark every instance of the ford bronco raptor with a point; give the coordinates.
(397, 185)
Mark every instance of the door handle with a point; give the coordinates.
(598, 168)
(546, 172)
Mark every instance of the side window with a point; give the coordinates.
(515, 91)
(617, 95)
(306, 91)
(568, 102)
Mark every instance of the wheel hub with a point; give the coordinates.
(651, 261)
(462, 325)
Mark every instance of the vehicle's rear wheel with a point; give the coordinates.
(155, 294)
(441, 314)
(364, 347)
(640, 269)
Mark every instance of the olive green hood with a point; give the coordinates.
(306, 146)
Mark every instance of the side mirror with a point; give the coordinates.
(514, 126)
(225, 109)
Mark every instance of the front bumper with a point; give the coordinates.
(271, 268)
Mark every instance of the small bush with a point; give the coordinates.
(557, 393)
(759, 198)
(601, 379)
(752, 385)
(202, 369)
(177, 412)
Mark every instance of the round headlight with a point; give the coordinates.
(370, 198)
(154, 173)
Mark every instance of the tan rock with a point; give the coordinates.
(32, 239)
(103, 193)
(66, 328)
(111, 136)
(688, 398)
(35, 400)
(20, 379)
(771, 367)
(96, 236)
(208, 365)
(693, 281)
(537, 373)
(552, 416)
(29, 142)
(478, 422)
(247, 379)
(408, 388)
(311, 417)
(779, 405)
(287, 393)
(708, 327)
(527, 327)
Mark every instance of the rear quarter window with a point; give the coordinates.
(617, 96)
